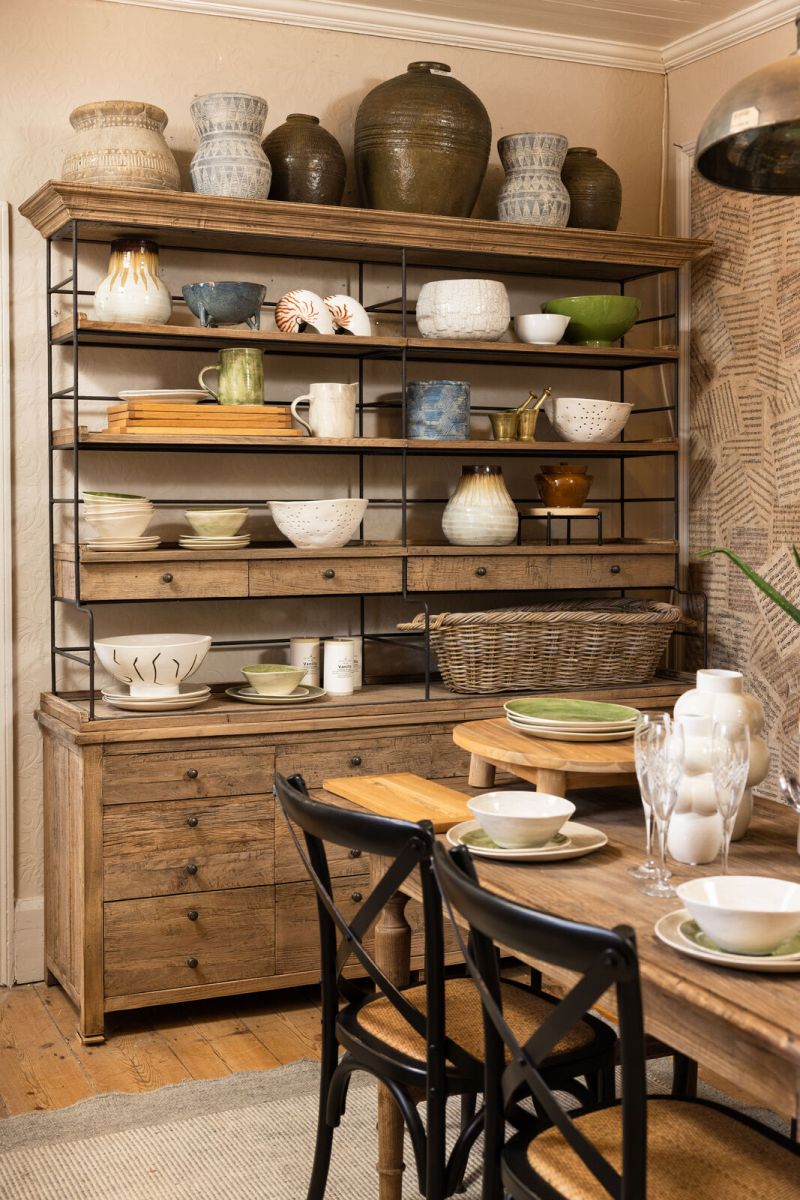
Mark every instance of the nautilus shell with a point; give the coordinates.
(302, 311)
(348, 315)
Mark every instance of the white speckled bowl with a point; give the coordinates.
(153, 664)
(318, 524)
(468, 309)
(580, 419)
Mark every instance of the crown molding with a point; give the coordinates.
(749, 23)
(342, 17)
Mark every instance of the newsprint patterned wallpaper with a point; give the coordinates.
(745, 443)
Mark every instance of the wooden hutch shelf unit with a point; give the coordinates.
(167, 876)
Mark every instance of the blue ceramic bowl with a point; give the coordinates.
(225, 303)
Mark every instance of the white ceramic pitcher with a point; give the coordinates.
(331, 409)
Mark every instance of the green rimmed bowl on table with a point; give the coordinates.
(595, 320)
(273, 679)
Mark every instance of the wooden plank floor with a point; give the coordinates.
(43, 1064)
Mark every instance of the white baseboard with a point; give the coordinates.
(29, 940)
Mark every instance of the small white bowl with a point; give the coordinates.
(745, 914)
(216, 522)
(126, 525)
(540, 329)
(318, 524)
(516, 820)
(153, 664)
(273, 679)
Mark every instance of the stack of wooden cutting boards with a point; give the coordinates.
(149, 417)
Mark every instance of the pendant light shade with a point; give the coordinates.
(751, 139)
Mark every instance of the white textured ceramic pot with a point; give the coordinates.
(464, 309)
(120, 143)
(480, 511)
(229, 160)
(132, 291)
(720, 696)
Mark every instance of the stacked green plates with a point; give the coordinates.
(565, 720)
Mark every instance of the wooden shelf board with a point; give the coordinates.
(192, 337)
(373, 706)
(102, 439)
(219, 222)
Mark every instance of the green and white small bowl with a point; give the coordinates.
(216, 522)
(273, 679)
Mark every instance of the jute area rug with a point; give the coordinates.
(246, 1137)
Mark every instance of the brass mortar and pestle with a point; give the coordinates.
(520, 423)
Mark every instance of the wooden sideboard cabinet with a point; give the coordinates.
(169, 875)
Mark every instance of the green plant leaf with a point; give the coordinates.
(774, 595)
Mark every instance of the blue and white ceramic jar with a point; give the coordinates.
(533, 193)
(438, 409)
(229, 160)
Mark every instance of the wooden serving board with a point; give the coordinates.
(246, 430)
(152, 407)
(405, 796)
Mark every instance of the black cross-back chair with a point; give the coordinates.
(400, 1035)
(640, 1146)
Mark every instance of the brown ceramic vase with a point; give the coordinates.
(422, 143)
(307, 162)
(563, 486)
(594, 188)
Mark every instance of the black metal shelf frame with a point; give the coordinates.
(75, 340)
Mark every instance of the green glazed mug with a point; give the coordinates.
(241, 376)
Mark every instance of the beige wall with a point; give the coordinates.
(61, 54)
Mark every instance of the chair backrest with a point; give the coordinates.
(408, 848)
(603, 959)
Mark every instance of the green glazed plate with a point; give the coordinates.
(552, 708)
(678, 930)
(480, 838)
(694, 934)
(573, 841)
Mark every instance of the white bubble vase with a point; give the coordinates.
(718, 696)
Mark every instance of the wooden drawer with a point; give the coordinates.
(324, 576)
(342, 862)
(353, 754)
(187, 846)
(154, 581)
(187, 774)
(149, 943)
(448, 761)
(508, 572)
(297, 929)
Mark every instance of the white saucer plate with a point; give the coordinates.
(191, 698)
(200, 543)
(578, 840)
(300, 695)
(120, 544)
(669, 931)
(171, 395)
(553, 735)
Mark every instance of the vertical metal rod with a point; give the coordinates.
(50, 460)
(362, 614)
(90, 613)
(427, 651)
(76, 484)
(403, 401)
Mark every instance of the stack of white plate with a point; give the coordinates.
(237, 542)
(118, 696)
(564, 720)
(119, 521)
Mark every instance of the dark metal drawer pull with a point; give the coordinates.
(355, 761)
(191, 822)
(191, 869)
(357, 897)
(481, 571)
(193, 914)
(615, 570)
(355, 854)
(329, 573)
(191, 962)
(192, 773)
(166, 577)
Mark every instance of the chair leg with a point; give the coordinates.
(684, 1077)
(436, 1144)
(324, 1143)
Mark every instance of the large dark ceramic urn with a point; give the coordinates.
(307, 162)
(422, 143)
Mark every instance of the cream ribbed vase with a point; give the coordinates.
(480, 511)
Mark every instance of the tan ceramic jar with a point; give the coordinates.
(120, 143)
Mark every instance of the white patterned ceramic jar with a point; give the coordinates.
(464, 309)
(132, 290)
(533, 192)
(120, 143)
(720, 696)
(480, 511)
(229, 160)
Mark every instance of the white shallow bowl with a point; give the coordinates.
(126, 525)
(216, 522)
(540, 329)
(153, 664)
(318, 524)
(113, 498)
(468, 309)
(745, 914)
(520, 819)
(580, 419)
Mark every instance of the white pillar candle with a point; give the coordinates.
(304, 652)
(338, 659)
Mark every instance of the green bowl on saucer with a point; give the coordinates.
(595, 320)
(273, 679)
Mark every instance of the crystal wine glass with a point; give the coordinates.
(667, 751)
(730, 763)
(642, 750)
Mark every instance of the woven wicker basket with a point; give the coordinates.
(593, 643)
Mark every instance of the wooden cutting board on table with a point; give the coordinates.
(405, 796)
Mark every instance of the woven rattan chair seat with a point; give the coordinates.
(523, 1010)
(692, 1151)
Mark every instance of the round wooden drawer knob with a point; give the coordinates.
(193, 914)
(615, 570)
(192, 773)
(481, 571)
(356, 760)
(166, 577)
(191, 962)
(329, 573)
(356, 897)
(191, 869)
(191, 822)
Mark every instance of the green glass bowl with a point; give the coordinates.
(595, 320)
